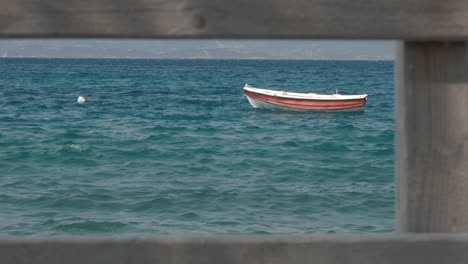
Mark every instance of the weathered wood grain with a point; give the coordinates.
(387, 249)
(432, 137)
(325, 19)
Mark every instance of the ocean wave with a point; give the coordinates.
(74, 148)
(90, 226)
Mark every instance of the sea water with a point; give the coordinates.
(168, 147)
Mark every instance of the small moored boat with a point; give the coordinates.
(281, 100)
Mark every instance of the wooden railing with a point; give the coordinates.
(386, 249)
(431, 106)
(432, 20)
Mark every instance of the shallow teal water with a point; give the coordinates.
(164, 147)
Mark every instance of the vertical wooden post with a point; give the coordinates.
(432, 137)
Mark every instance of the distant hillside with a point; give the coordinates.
(200, 49)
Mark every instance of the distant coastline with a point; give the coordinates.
(200, 49)
(155, 58)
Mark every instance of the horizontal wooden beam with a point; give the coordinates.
(320, 19)
(382, 249)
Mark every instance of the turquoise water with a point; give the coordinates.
(165, 147)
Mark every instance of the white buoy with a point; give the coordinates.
(81, 100)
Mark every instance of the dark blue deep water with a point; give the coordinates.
(164, 147)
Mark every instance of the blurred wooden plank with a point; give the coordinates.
(432, 136)
(325, 19)
(382, 249)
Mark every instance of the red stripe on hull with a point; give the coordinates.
(308, 104)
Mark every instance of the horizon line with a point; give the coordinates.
(155, 58)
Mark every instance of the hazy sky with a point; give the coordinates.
(202, 49)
